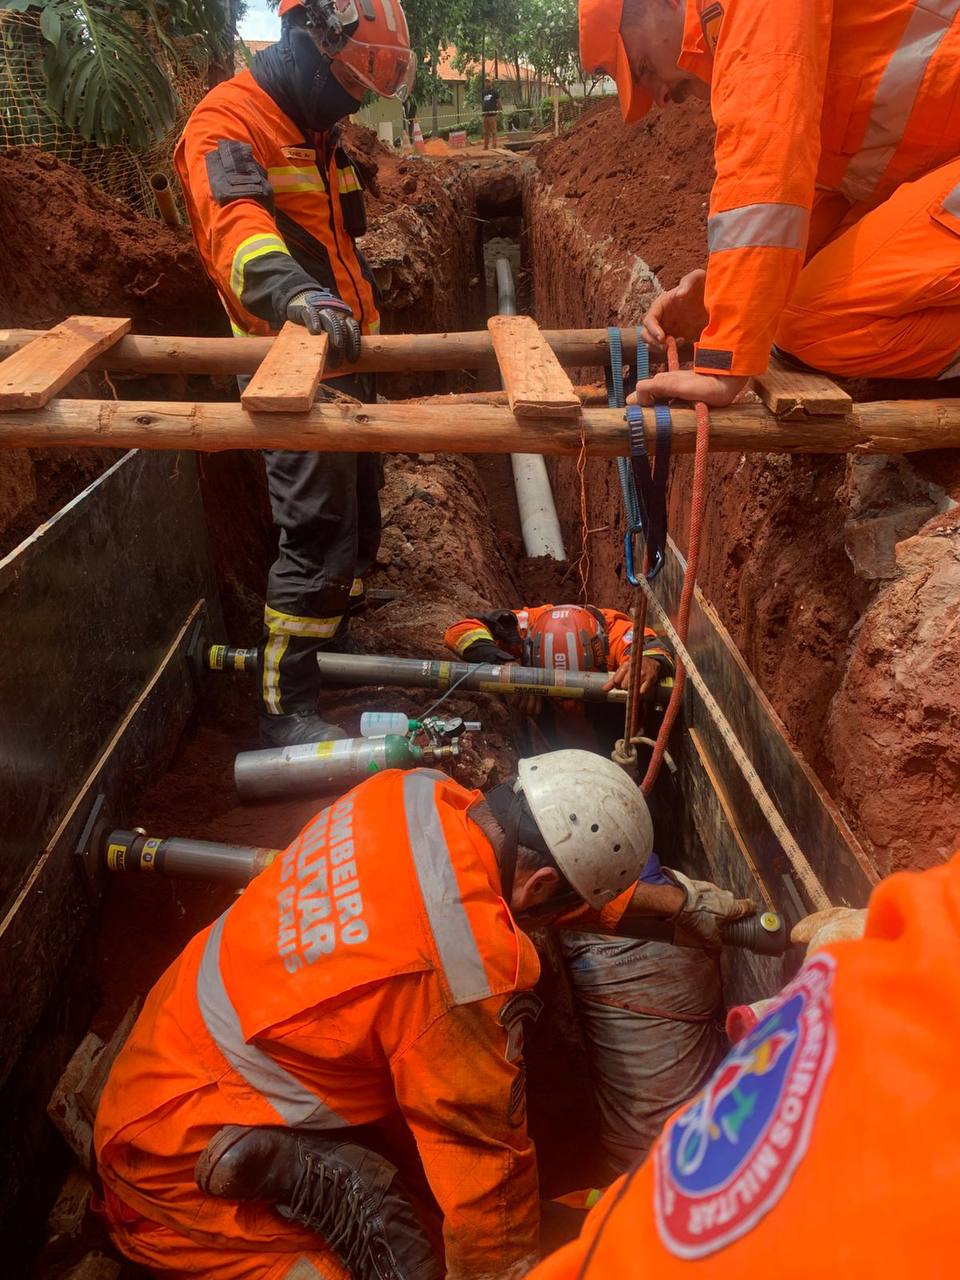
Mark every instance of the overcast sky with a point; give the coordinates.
(259, 22)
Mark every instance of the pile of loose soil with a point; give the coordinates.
(68, 249)
(642, 189)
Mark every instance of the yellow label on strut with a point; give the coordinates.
(217, 654)
(324, 749)
(115, 855)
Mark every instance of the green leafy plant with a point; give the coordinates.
(104, 77)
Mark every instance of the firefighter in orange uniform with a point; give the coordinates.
(569, 637)
(276, 206)
(825, 1143)
(834, 222)
(341, 1050)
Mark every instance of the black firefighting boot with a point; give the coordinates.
(295, 728)
(348, 1195)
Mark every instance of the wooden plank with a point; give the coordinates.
(896, 426)
(289, 376)
(34, 374)
(534, 380)
(789, 393)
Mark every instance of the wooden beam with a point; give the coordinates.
(878, 427)
(382, 353)
(287, 380)
(32, 376)
(534, 380)
(789, 393)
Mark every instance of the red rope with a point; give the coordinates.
(697, 504)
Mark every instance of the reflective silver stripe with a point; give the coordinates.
(759, 226)
(292, 1100)
(303, 1269)
(573, 663)
(459, 954)
(896, 94)
(952, 203)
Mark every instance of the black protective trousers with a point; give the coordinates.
(327, 509)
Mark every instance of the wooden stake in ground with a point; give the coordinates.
(534, 380)
(290, 374)
(33, 375)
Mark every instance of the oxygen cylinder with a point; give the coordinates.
(315, 767)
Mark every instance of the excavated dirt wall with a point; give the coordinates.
(838, 578)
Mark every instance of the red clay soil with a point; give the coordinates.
(68, 249)
(864, 674)
(644, 186)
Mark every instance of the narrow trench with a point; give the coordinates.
(452, 530)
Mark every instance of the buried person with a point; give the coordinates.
(328, 1081)
(568, 637)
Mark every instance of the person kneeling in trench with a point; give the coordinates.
(329, 1080)
(649, 1011)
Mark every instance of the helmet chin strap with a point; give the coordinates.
(511, 843)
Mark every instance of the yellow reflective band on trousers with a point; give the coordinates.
(759, 226)
(273, 653)
(356, 588)
(253, 247)
(896, 94)
(290, 624)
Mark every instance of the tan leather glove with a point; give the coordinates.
(697, 923)
(835, 924)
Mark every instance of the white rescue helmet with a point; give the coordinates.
(593, 818)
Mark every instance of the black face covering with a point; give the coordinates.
(299, 79)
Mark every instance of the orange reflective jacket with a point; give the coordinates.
(273, 213)
(619, 627)
(826, 1142)
(369, 969)
(821, 109)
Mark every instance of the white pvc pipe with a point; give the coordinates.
(539, 523)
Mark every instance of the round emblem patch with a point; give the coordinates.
(726, 1161)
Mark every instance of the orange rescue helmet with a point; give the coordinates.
(569, 636)
(367, 37)
(602, 51)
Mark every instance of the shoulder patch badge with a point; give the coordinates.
(728, 1159)
(711, 19)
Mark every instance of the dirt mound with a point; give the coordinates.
(643, 188)
(70, 248)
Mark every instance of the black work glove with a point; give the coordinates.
(320, 311)
(486, 651)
